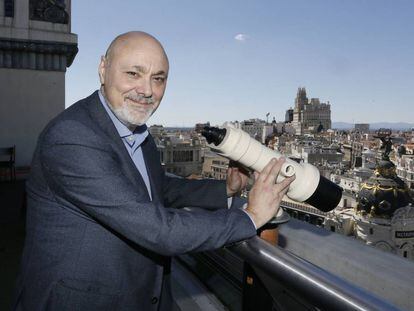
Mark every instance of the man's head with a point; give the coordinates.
(133, 74)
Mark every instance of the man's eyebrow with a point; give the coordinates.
(140, 68)
(144, 70)
(161, 72)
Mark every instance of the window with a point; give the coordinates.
(9, 8)
(182, 156)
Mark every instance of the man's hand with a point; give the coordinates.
(266, 195)
(236, 180)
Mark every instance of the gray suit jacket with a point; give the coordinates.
(94, 240)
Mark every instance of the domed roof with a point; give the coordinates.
(403, 215)
(383, 193)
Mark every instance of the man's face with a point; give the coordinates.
(134, 77)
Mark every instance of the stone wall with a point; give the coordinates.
(36, 47)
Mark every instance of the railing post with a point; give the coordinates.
(255, 294)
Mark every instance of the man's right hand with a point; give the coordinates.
(266, 195)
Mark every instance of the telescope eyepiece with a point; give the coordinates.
(213, 135)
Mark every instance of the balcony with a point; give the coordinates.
(310, 269)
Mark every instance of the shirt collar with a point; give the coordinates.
(140, 131)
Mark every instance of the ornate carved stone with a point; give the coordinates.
(383, 193)
(53, 11)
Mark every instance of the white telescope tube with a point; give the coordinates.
(237, 145)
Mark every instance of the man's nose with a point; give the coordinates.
(144, 88)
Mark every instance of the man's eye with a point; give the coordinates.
(159, 79)
(132, 73)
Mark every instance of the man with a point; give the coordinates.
(102, 217)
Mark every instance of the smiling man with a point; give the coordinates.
(103, 219)
(133, 74)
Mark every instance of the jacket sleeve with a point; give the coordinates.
(180, 192)
(83, 175)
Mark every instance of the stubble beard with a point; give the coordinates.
(131, 115)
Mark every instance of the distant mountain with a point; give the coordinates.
(375, 126)
(342, 125)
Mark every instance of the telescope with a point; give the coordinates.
(309, 186)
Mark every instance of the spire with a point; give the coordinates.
(301, 98)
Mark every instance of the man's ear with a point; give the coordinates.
(101, 70)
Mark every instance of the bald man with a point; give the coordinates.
(103, 219)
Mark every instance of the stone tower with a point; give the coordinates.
(300, 101)
(36, 47)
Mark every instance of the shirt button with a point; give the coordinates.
(154, 300)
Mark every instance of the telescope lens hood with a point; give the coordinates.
(213, 135)
(326, 196)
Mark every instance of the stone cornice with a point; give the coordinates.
(36, 55)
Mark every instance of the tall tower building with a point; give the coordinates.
(310, 116)
(300, 101)
(36, 47)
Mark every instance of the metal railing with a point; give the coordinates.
(321, 288)
(318, 269)
(382, 273)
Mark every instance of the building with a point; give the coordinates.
(323, 155)
(356, 154)
(156, 130)
(279, 128)
(316, 152)
(36, 47)
(215, 166)
(289, 115)
(405, 169)
(181, 156)
(310, 116)
(361, 127)
(254, 127)
(383, 216)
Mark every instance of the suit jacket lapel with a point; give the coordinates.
(152, 162)
(100, 116)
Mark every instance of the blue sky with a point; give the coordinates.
(356, 54)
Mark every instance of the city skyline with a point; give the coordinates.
(239, 60)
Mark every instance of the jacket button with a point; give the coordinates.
(154, 300)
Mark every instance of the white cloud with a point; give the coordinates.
(241, 37)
